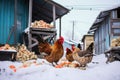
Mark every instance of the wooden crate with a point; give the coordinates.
(6, 55)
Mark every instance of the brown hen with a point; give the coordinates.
(84, 57)
(69, 56)
(45, 47)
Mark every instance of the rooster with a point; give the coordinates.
(84, 57)
(55, 51)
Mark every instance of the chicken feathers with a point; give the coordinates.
(69, 56)
(56, 52)
(84, 57)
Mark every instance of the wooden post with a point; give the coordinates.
(29, 24)
(73, 30)
(60, 27)
(54, 16)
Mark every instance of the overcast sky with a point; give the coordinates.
(83, 13)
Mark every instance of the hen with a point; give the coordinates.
(56, 51)
(84, 57)
(45, 47)
(69, 56)
(69, 52)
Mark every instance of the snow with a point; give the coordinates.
(112, 7)
(45, 71)
(27, 30)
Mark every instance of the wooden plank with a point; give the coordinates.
(116, 26)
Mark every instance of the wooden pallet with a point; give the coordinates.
(44, 33)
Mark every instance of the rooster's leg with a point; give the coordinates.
(53, 65)
(56, 63)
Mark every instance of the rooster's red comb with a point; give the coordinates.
(61, 40)
(61, 37)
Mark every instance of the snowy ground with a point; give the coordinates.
(44, 71)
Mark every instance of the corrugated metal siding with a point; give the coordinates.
(22, 17)
(7, 19)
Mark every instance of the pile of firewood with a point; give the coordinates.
(113, 53)
(23, 54)
(7, 47)
(40, 24)
(115, 42)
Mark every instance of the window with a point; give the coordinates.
(116, 25)
(116, 14)
(116, 31)
(116, 28)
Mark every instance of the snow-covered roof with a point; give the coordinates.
(111, 8)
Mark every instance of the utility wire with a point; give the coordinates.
(87, 7)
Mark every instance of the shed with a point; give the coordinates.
(16, 15)
(105, 28)
(87, 40)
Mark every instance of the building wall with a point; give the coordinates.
(96, 38)
(106, 31)
(7, 19)
(102, 37)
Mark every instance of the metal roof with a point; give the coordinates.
(101, 17)
(43, 10)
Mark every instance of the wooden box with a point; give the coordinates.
(7, 55)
